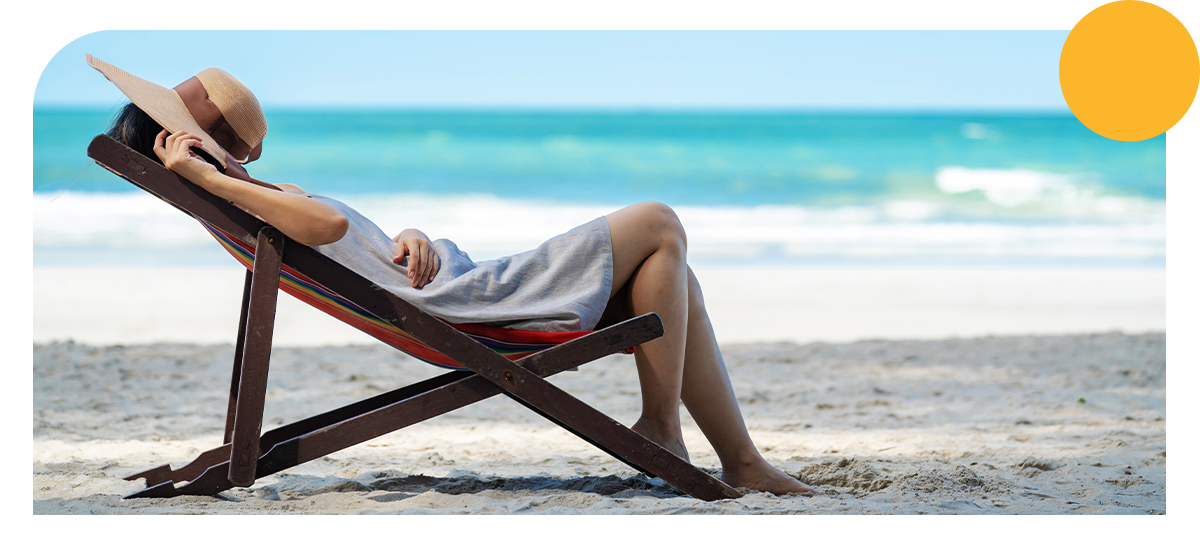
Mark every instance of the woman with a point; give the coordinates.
(633, 261)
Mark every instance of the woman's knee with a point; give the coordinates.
(662, 222)
(640, 231)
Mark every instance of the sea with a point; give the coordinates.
(752, 188)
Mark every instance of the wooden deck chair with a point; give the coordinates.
(487, 360)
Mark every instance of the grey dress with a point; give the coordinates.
(562, 285)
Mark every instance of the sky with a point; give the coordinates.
(841, 70)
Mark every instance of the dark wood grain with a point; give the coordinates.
(237, 358)
(256, 357)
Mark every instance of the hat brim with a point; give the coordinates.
(162, 104)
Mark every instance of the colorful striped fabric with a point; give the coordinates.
(512, 343)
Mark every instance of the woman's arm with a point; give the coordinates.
(304, 219)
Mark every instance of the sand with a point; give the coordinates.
(1003, 392)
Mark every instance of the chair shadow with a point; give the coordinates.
(403, 487)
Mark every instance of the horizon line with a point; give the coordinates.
(583, 108)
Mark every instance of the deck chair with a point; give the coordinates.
(484, 361)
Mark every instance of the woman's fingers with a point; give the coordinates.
(182, 141)
(175, 152)
(432, 263)
(184, 146)
(412, 257)
(423, 261)
(172, 139)
(401, 252)
(414, 260)
(160, 147)
(423, 266)
(426, 262)
(175, 148)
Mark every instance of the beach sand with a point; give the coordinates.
(881, 388)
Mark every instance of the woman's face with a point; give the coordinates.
(210, 119)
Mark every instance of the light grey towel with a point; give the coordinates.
(562, 285)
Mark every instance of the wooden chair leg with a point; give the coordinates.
(256, 357)
(561, 408)
(237, 358)
(307, 439)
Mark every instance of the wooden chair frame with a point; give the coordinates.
(248, 454)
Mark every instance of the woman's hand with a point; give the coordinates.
(423, 261)
(305, 220)
(175, 152)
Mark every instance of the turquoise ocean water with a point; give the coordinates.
(761, 188)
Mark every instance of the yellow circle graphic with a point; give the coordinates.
(1129, 70)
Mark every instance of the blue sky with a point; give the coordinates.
(921, 70)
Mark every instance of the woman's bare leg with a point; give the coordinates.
(650, 258)
(708, 395)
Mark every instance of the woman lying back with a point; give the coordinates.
(624, 264)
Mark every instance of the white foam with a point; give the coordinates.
(1004, 187)
(1071, 196)
(487, 227)
(105, 219)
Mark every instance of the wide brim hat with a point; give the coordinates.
(237, 104)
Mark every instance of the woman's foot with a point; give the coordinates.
(670, 439)
(760, 475)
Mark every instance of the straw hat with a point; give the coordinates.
(236, 102)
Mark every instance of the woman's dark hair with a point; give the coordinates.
(134, 128)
